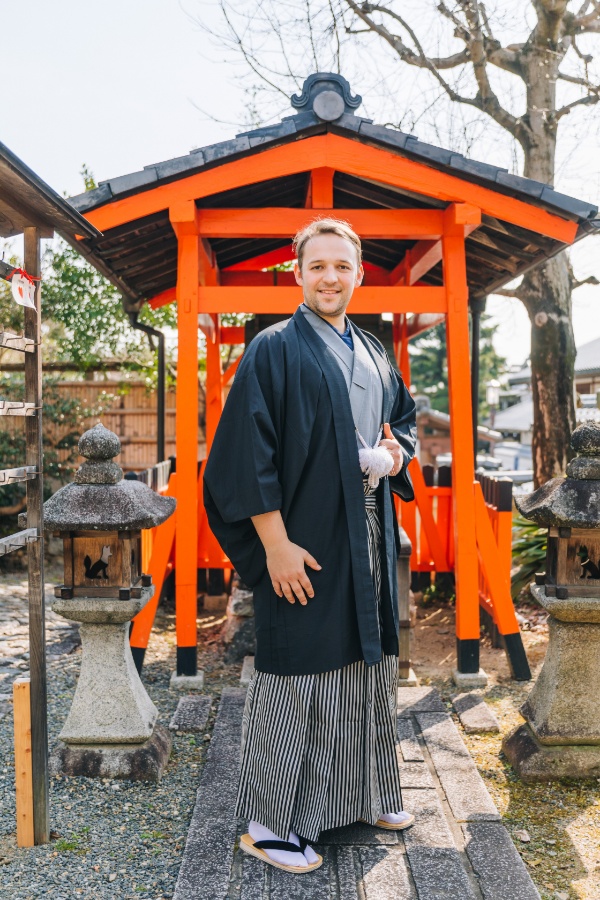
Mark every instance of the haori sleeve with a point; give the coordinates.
(241, 473)
(403, 422)
(241, 478)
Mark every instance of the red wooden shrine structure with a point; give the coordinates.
(439, 232)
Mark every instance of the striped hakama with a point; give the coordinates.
(319, 751)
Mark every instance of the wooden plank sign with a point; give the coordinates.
(23, 764)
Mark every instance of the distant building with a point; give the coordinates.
(515, 420)
(433, 432)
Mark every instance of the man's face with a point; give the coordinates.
(329, 274)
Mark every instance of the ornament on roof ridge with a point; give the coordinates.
(328, 95)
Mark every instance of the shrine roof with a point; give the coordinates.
(140, 256)
(27, 201)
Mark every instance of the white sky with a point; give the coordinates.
(123, 83)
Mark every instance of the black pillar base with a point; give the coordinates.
(467, 656)
(187, 660)
(138, 654)
(517, 660)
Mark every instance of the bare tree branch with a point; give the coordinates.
(573, 79)
(591, 279)
(485, 100)
(508, 292)
(395, 41)
(589, 100)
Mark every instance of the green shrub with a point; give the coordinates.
(529, 553)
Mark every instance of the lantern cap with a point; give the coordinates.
(100, 499)
(573, 501)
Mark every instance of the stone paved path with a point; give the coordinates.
(458, 848)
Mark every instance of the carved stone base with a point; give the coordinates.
(539, 762)
(134, 762)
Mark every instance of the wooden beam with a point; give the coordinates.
(374, 277)
(264, 260)
(420, 323)
(163, 298)
(233, 334)
(274, 222)
(421, 258)
(345, 155)
(321, 188)
(287, 299)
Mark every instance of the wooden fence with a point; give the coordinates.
(129, 409)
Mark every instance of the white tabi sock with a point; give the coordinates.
(258, 832)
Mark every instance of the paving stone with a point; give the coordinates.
(247, 670)
(191, 714)
(497, 862)
(415, 775)
(468, 680)
(385, 874)
(409, 745)
(208, 854)
(357, 834)
(346, 874)
(439, 874)
(435, 862)
(474, 713)
(431, 828)
(253, 877)
(419, 699)
(187, 682)
(313, 885)
(462, 783)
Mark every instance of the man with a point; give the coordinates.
(298, 492)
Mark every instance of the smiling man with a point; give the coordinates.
(316, 433)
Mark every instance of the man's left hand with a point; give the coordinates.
(391, 444)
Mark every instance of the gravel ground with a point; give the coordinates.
(109, 839)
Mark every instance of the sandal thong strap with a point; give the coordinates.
(277, 845)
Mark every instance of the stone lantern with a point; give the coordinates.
(111, 730)
(561, 737)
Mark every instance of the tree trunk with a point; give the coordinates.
(546, 292)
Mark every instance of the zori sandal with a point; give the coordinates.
(257, 849)
(391, 826)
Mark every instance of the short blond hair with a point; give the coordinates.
(325, 226)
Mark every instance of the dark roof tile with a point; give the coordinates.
(387, 135)
(430, 152)
(571, 205)
(474, 167)
(518, 183)
(225, 148)
(88, 199)
(180, 164)
(124, 183)
(267, 132)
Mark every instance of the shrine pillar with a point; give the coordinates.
(462, 445)
(184, 219)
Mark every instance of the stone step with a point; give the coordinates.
(462, 783)
(191, 714)
(474, 714)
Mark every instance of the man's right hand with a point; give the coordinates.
(286, 562)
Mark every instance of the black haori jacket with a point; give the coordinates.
(286, 440)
